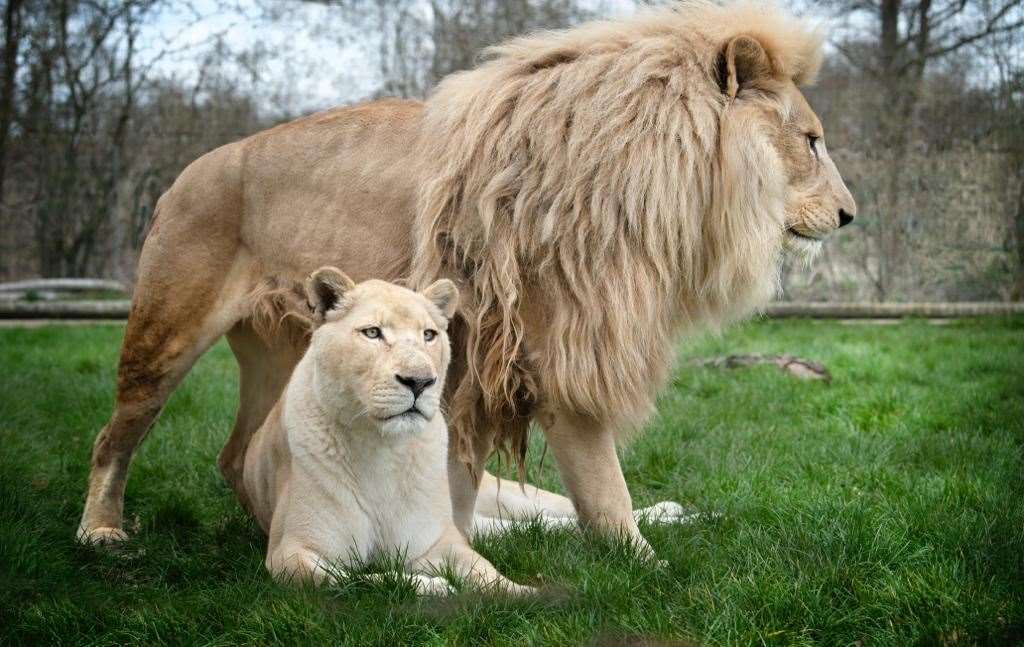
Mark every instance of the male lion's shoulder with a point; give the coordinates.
(382, 112)
(386, 124)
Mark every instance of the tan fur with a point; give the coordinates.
(280, 308)
(598, 194)
(594, 193)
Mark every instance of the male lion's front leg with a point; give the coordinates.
(585, 453)
(463, 478)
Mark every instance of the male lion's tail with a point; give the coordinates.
(278, 308)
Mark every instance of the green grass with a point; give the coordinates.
(885, 508)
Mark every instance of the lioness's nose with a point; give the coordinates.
(845, 218)
(416, 384)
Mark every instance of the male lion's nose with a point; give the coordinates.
(416, 384)
(844, 218)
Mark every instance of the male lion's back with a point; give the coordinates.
(336, 187)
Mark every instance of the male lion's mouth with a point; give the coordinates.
(797, 234)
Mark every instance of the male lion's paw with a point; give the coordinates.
(665, 512)
(102, 536)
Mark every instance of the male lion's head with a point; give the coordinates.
(380, 349)
(767, 117)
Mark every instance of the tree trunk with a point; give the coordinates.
(902, 76)
(1018, 226)
(12, 42)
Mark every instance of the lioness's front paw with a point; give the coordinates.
(520, 589)
(431, 585)
(102, 536)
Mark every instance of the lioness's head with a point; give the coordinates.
(766, 110)
(380, 349)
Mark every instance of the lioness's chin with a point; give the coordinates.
(405, 424)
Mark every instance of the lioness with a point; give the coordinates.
(352, 460)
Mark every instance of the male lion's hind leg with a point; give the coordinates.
(154, 359)
(177, 313)
(263, 372)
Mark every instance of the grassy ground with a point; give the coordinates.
(885, 508)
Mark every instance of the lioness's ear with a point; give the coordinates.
(325, 288)
(742, 61)
(443, 294)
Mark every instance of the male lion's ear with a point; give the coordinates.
(742, 61)
(325, 288)
(443, 294)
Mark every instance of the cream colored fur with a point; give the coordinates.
(502, 505)
(351, 463)
(332, 475)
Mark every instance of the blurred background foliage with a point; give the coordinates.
(103, 102)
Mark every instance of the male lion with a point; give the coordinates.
(594, 193)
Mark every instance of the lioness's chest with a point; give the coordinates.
(393, 499)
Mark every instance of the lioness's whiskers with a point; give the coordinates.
(359, 414)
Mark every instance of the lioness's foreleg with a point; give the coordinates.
(453, 551)
(586, 458)
(295, 564)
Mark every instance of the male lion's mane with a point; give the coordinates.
(278, 307)
(587, 177)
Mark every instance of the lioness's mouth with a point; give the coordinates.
(413, 411)
(794, 232)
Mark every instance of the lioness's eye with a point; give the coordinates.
(428, 335)
(373, 332)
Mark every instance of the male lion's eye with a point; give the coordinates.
(429, 335)
(373, 332)
(812, 141)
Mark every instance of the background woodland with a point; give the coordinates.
(922, 102)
